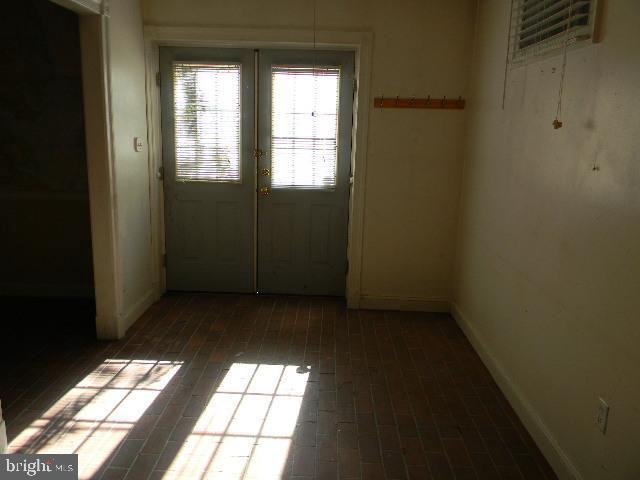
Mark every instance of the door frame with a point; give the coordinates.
(93, 18)
(359, 42)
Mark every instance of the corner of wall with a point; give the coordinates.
(126, 320)
(550, 448)
(108, 327)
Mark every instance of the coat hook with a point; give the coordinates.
(397, 99)
(412, 100)
(444, 100)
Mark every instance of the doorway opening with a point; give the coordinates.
(257, 156)
(47, 276)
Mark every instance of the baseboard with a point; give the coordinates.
(3, 433)
(137, 310)
(374, 302)
(68, 290)
(543, 437)
(109, 328)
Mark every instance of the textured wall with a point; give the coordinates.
(549, 262)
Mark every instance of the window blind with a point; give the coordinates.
(539, 26)
(207, 122)
(304, 126)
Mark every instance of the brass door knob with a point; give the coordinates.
(264, 191)
(265, 172)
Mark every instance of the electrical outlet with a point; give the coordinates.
(603, 415)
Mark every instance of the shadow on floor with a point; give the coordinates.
(232, 386)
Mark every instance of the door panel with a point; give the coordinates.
(209, 168)
(281, 230)
(320, 235)
(305, 118)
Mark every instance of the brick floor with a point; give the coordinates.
(232, 386)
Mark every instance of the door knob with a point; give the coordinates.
(264, 191)
(265, 172)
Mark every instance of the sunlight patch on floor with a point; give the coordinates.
(246, 429)
(95, 416)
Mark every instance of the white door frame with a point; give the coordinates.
(358, 42)
(94, 46)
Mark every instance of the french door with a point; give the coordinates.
(256, 155)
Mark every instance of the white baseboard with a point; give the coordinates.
(3, 433)
(69, 290)
(109, 328)
(543, 437)
(3, 437)
(374, 302)
(137, 310)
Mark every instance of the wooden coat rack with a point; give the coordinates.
(441, 103)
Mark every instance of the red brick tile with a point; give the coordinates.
(127, 453)
(457, 452)
(327, 471)
(394, 465)
(373, 471)
(396, 392)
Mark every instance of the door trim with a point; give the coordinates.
(359, 42)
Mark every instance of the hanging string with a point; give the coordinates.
(315, 66)
(506, 60)
(474, 46)
(315, 24)
(315, 27)
(557, 122)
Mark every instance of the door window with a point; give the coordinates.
(207, 122)
(304, 126)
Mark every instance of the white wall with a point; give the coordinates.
(128, 111)
(414, 157)
(548, 278)
(115, 113)
(125, 68)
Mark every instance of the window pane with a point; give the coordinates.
(304, 126)
(207, 122)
